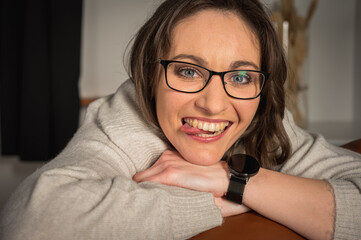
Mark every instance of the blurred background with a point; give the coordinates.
(83, 60)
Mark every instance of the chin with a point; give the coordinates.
(202, 158)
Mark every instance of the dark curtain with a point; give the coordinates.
(39, 70)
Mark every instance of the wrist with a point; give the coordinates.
(241, 167)
(253, 184)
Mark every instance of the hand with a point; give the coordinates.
(173, 170)
(229, 208)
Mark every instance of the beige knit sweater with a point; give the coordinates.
(87, 192)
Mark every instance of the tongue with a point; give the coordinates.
(193, 130)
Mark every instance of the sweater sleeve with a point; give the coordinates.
(92, 201)
(313, 157)
(87, 192)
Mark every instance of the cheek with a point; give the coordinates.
(168, 106)
(246, 110)
(161, 104)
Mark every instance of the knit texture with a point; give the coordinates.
(313, 157)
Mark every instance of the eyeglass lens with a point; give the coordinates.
(190, 78)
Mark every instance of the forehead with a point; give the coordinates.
(216, 36)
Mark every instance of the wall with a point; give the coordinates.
(333, 88)
(331, 62)
(108, 26)
(357, 89)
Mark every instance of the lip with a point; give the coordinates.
(208, 139)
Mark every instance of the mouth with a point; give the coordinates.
(204, 129)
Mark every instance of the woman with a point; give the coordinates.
(146, 163)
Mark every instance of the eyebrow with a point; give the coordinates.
(237, 64)
(198, 60)
(202, 62)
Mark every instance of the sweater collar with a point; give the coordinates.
(120, 119)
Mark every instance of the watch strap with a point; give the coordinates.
(236, 189)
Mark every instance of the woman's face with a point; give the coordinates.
(219, 41)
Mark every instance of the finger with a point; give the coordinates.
(143, 175)
(168, 155)
(168, 159)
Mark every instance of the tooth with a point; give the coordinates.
(212, 127)
(195, 123)
(200, 125)
(210, 135)
(205, 126)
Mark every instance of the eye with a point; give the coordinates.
(240, 77)
(188, 72)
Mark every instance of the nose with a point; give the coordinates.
(213, 99)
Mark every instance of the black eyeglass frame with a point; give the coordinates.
(165, 64)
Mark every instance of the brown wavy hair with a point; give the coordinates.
(265, 138)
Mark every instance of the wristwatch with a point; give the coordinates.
(241, 168)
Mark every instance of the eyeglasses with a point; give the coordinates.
(191, 78)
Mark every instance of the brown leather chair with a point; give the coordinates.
(254, 226)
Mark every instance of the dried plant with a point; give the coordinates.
(296, 45)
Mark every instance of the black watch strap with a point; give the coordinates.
(236, 189)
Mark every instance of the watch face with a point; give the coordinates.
(243, 165)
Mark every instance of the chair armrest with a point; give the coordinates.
(354, 145)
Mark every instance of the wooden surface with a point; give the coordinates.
(354, 146)
(249, 226)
